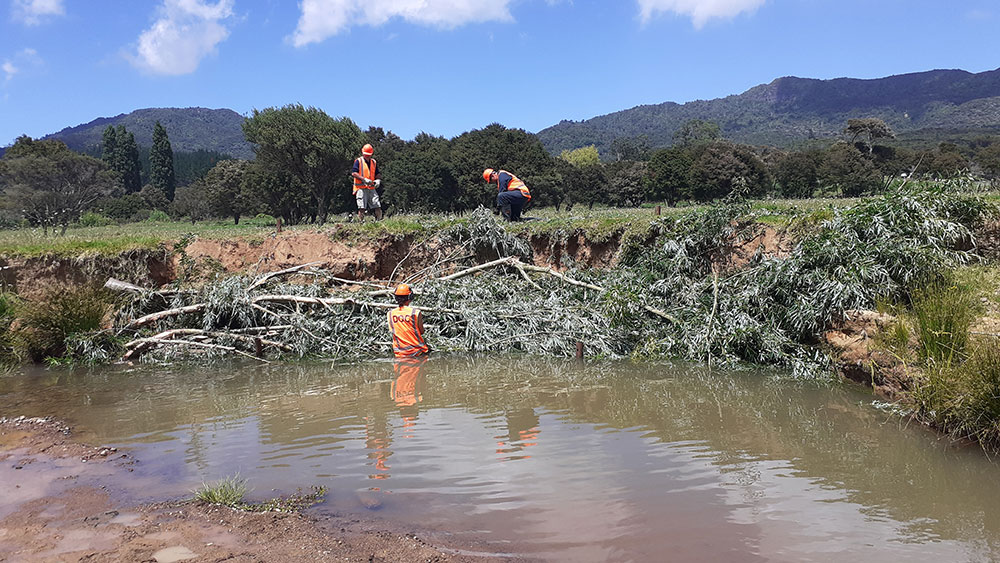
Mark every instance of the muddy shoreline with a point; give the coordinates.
(61, 504)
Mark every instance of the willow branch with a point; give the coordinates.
(563, 277)
(268, 277)
(328, 301)
(158, 342)
(154, 317)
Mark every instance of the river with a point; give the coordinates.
(559, 460)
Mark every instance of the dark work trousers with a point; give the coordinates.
(511, 203)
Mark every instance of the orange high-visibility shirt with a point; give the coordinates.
(366, 171)
(514, 184)
(407, 340)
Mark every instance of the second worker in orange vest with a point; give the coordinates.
(407, 326)
(512, 193)
(367, 180)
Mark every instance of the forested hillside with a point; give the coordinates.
(191, 129)
(791, 110)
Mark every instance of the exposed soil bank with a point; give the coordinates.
(334, 250)
(57, 509)
(857, 359)
(27, 276)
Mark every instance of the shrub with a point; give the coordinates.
(120, 208)
(157, 216)
(262, 220)
(91, 219)
(46, 321)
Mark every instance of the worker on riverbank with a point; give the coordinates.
(512, 193)
(407, 326)
(367, 180)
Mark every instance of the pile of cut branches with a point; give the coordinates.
(678, 299)
(504, 305)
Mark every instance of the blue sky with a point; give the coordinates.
(448, 66)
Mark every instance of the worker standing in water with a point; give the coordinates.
(512, 193)
(367, 179)
(407, 326)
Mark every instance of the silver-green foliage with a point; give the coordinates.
(769, 310)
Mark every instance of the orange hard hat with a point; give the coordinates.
(487, 173)
(367, 150)
(402, 289)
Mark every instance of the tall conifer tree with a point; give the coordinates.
(109, 147)
(161, 162)
(128, 160)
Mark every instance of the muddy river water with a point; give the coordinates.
(550, 459)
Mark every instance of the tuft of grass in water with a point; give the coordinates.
(226, 492)
(230, 491)
(964, 399)
(943, 313)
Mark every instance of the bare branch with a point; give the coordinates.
(159, 342)
(159, 316)
(268, 277)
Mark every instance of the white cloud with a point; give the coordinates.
(185, 33)
(9, 70)
(24, 60)
(321, 19)
(700, 11)
(33, 12)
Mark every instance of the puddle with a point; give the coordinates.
(175, 553)
(80, 540)
(126, 519)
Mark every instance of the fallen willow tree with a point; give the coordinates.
(679, 293)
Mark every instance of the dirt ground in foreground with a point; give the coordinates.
(55, 508)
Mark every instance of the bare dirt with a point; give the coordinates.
(334, 249)
(858, 359)
(58, 506)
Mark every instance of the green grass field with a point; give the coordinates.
(598, 223)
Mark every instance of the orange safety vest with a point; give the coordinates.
(515, 184)
(407, 342)
(366, 172)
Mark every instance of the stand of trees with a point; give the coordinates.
(50, 185)
(303, 160)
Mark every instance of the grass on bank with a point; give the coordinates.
(943, 314)
(230, 492)
(964, 399)
(598, 223)
(47, 322)
(955, 369)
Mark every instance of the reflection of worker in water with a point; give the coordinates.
(407, 326)
(406, 391)
(378, 439)
(408, 387)
(522, 432)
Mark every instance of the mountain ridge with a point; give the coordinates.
(189, 129)
(785, 112)
(790, 109)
